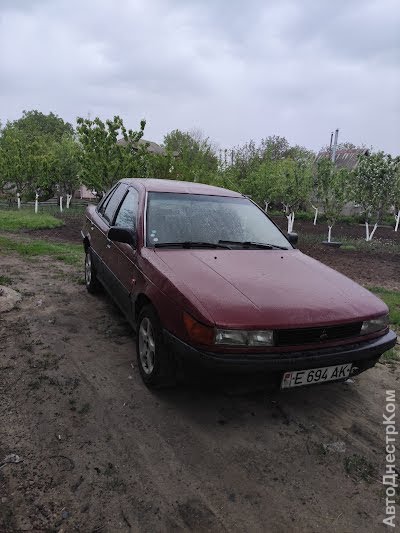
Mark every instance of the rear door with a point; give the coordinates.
(120, 260)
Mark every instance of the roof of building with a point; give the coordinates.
(151, 146)
(347, 158)
(188, 187)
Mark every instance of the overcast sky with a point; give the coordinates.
(237, 70)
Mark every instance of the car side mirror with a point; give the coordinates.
(126, 235)
(293, 238)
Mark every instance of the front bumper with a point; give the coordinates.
(363, 355)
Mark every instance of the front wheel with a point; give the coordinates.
(91, 281)
(156, 366)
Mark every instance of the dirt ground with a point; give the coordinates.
(100, 452)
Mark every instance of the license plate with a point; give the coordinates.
(315, 375)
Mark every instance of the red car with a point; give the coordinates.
(206, 278)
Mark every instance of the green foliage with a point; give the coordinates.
(63, 172)
(193, 156)
(35, 123)
(332, 189)
(103, 160)
(27, 219)
(293, 183)
(374, 184)
(71, 254)
(392, 300)
(32, 151)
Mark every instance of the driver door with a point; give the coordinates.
(120, 258)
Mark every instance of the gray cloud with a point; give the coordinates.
(237, 71)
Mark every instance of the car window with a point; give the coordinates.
(126, 216)
(113, 203)
(104, 201)
(175, 217)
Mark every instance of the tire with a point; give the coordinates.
(156, 366)
(91, 281)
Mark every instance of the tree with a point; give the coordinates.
(23, 161)
(294, 183)
(332, 190)
(103, 160)
(35, 123)
(195, 156)
(62, 173)
(374, 185)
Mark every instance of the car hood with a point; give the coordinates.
(265, 288)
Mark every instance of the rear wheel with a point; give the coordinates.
(91, 281)
(156, 366)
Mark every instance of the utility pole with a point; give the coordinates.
(335, 145)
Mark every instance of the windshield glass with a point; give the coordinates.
(176, 218)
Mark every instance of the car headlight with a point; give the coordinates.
(376, 324)
(238, 337)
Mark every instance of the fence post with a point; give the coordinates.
(18, 200)
(61, 204)
(36, 202)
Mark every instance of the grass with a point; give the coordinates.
(71, 254)
(392, 300)
(5, 280)
(11, 220)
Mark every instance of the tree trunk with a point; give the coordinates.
(369, 234)
(61, 204)
(290, 219)
(316, 215)
(397, 218)
(329, 233)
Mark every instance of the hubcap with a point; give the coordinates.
(88, 268)
(147, 346)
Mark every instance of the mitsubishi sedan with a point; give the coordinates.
(206, 279)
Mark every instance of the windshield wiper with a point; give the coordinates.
(190, 244)
(248, 244)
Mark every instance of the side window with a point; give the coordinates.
(126, 216)
(104, 201)
(114, 202)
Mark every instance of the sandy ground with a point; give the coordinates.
(100, 452)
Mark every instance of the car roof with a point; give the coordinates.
(188, 187)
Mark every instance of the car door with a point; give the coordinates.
(121, 258)
(106, 214)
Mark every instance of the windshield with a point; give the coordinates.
(179, 218)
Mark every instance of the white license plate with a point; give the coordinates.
(315, 375)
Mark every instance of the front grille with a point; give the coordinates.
(291, 337)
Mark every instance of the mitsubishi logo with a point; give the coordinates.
(323, 335)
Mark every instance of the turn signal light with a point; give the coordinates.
(198, 333)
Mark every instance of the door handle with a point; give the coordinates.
(92, 228)
(108, 243)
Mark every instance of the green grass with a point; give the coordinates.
(392, 300)
(13, 220)
(5, 280)
(71, 254)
